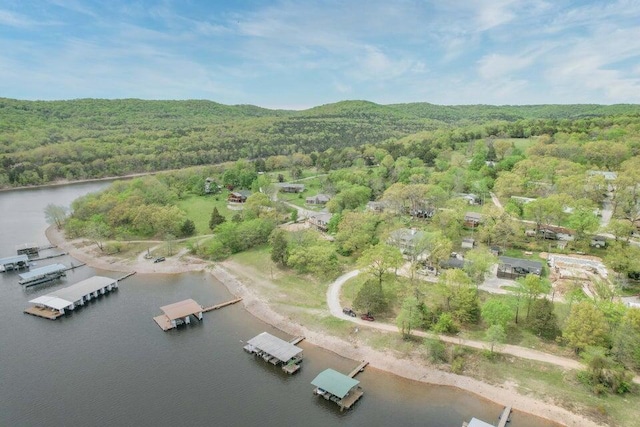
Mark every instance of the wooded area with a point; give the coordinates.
(47, 141)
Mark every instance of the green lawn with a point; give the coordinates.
(199, 208)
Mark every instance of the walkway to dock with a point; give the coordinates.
(223, 304)
(359, 369)
(504, 417)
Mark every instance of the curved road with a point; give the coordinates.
(333, 302)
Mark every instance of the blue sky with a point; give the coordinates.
(296, 54)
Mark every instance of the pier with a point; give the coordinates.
(50, 256)
(276, 351)
(14, 262)
(56, 304)
(221, 305)
(342, 389)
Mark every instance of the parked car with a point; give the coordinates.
(368, 317)
(159, 259)
(349, 312)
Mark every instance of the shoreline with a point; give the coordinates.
(416, 370)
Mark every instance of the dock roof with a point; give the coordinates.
(478, 423)
(51, 301)
(14, 259)
(84, 287)
(275, 346)
(37, 272)
(181, 309)
(334, 382)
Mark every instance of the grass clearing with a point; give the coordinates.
(199, 208)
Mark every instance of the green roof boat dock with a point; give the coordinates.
(339, 388)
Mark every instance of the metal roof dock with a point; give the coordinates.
(57, 303)
(339, 388)
(276, 351)
(14, 262)
(42, 274)
(178, 313)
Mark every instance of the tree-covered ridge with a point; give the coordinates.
(46, 141)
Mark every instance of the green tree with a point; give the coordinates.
(543, 321)
(411, 315)
(98, 232)
(279, 247)
(356, 231)
(497, 312)
(478, 263)
(188, 227)
(585, 326)
(56, 214)
(495, 335)
(626, 340)
(216, 219)
(531, 287)
(370, 297)
(379, 259)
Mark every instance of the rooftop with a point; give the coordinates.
(534, 266)
(478, 423)
(276, 347)
(181, 309)
(14, 259)
(37, 272)
(334, 382)
(67, 296)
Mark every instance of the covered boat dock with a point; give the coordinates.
(276, 351)
(14, 262)
(42, 274)
(178, 313)
(56, 304)
(339, 388)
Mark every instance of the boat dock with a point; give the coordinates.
(120, 279)
(180, 313)
(50, 256)
(45, 274)
(342, 389)
(14, 262)
(56, 304)
(30, 249)
(276, 351)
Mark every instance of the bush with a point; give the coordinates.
(457, 366)
(437, 350)
(445, 325)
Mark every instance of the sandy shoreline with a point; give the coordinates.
(416, 370)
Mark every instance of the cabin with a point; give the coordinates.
(422, 213)
(598, 242)
(275, 351)
(470, 198)
(320, 221)
(452, 262)
(513, 268)
(318, 199)
(338, 388)
(238, 196)
(472, 219)
(287, 187)
(408, 241)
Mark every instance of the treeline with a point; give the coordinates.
(46, 141)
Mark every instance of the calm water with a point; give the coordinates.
(110, 364)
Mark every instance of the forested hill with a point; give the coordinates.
(45, 141)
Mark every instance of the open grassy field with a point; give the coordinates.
(199, 208)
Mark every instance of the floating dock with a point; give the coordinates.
(30, 249)
(14, 262)
(56, 304)
(180, 313)
(44, 274)
(276, 351)
(339, 388)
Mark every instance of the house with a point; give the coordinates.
(513, 268)
(522, 200)
(452, 262)
(423, 213)
(468, 243)
(287, 187)
(321, 220)
(472, 219)
(408, 241)
(318, 199)
(608, 176)
(238, 196)
(560, 233)
(470, 198)
(598, 242)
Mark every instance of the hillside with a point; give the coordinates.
(45, 141)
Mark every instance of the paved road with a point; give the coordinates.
(333, 302)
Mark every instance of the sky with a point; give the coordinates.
(296, 54)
